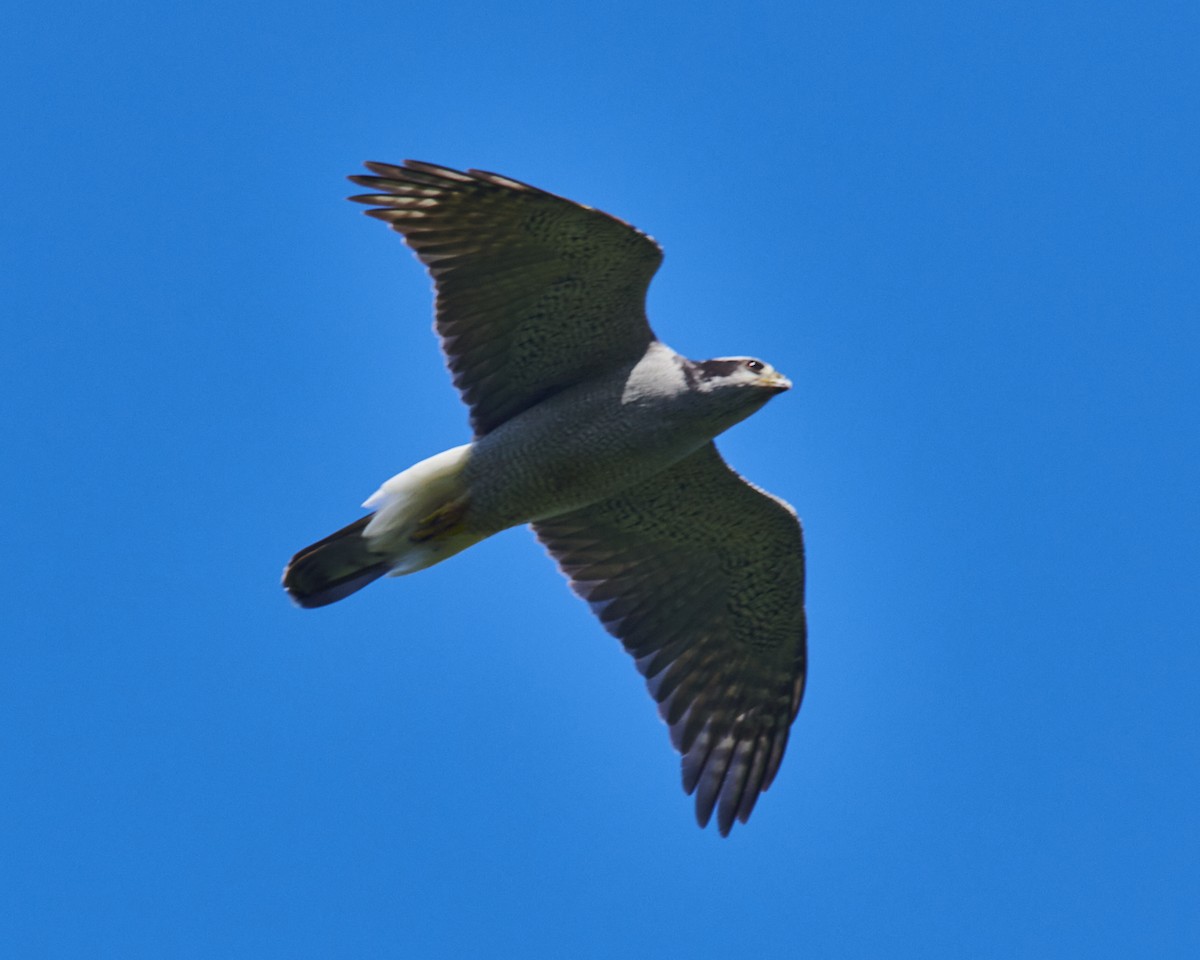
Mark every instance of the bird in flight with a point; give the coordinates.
(600, 436)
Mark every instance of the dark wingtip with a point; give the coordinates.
(384, 169)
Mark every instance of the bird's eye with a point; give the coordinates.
(755, 366)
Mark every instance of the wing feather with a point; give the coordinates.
(701, 576)
(534, 292)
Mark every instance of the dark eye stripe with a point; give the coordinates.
(718, 368)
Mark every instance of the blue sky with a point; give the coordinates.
(969, 234)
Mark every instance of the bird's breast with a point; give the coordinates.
(572, 450)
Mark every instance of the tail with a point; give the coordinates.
(419, 520)
(334, 568)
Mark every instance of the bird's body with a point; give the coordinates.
(595, 439)
(600, 436)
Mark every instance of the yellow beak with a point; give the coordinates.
(774, 381)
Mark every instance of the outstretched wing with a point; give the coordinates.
(701, 576)
(534, 292)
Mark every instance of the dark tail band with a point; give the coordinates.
(333, 568)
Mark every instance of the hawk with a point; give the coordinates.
(600, 436)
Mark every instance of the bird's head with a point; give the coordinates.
(726, 373)
(736, 386)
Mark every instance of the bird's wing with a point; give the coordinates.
(701, 576)
(534, 292)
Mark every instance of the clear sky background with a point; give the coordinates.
(968, 232)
